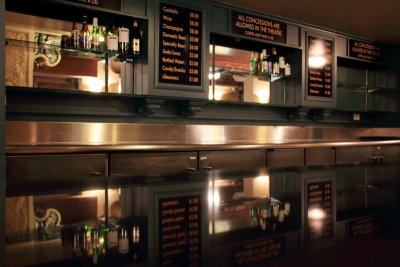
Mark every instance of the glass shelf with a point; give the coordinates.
(47, 48)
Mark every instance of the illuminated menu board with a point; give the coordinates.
(364, 50)
(320, 65)
(319, 210)
(258, 27)
(179, 231)
(180, 45)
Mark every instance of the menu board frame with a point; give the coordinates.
(333, 96)
(316, 178)
(199, 88)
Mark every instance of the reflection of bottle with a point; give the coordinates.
(135, 39)
(85, 34)
(264, 215)
(253, 214)
(95, 35)
(123, 241)
(253, 64)
(135, 243)
(95, 240)
(123, 39)
(75, 36)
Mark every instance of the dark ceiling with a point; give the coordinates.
(378, 20)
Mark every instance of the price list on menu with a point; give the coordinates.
(320, 65)
(179, 231)
(319, 210)
(180, 45)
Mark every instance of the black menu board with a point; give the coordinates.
(179, 231)
(364, 226)
(320, 65)
(180, 45)
(364, 50)
(258, 251)
(108, 4)
(258, 27)
(319, 210)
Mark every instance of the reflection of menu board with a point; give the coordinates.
(364, 226)
(320, 65)
(258, 27)
(319, 210)
(180, 45)
(179, 231)
(260, 250)
(363, 50)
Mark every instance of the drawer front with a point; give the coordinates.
(285, 157)
(243, 159)
(320, 156)
(354, 155)
(54, 172)
(152, 164)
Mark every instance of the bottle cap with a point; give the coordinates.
(95, 22)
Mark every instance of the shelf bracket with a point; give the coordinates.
(148, 106)
(187, 108)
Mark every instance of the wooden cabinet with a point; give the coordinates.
(288, 157)
(320, 156)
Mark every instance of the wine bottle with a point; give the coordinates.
(102, 39)
(85, 34)
(112, 38)
(75, 36)
(123, 39)
(269, 63)
(253, 64)
(135, 39)
(275, 61)
(95, 34)
(264, 63)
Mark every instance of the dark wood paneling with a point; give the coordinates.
(152, 164)
(244, 159)
(285, 157)
(320, 156)
(353, 155)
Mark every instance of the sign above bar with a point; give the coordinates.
(258, 27)
(364, 50)
(108, 4)
(180, 45)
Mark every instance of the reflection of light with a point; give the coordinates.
(93, 193)
(317, 48)
(256, 187)
(263, 96)
(213, 196)
(94, 84)
(316, 214)
(316, 61)
(216, 76)
(262, 179)
(217, 95)
(261, 90)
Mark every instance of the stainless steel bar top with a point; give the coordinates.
(56, 149)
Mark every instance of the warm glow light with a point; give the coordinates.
(316, 61)
(213, 196)
(217, 95)
(263, 96)
(93, 193)
(216, 76)
(94, 84)
(316, 214)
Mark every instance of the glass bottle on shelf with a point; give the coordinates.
(264, 63)
(135, 39)
(95, 34)
(123, 39)
(253, 64)
(275, 61)
(259, 66)
(282, 65)
(102, 39)
(288, 68)
(85, 34)
(75, 36)
(112, 38)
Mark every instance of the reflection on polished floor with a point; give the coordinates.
(375, 251)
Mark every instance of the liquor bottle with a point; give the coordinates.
(135, 39)
(253, 64)
(275, 61)
(269, 63)
(95, 34)
(95, 241)
(102, 39)
(85, 34)
(264, 63)
(112, 38)
(75, 36)
(259, 64)
(282, 64)
(288, 68)
(123, 39)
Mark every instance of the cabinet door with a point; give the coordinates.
(351, 88)
(285, 157)
(354, 155)
(320, 156)
(243, 159)
(35, 174)
(152, 164)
